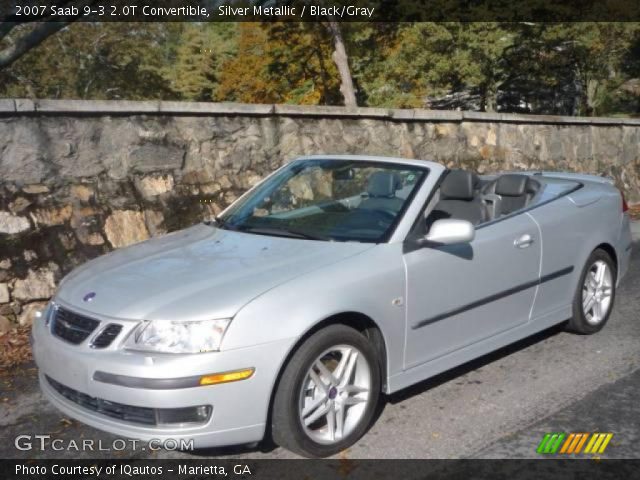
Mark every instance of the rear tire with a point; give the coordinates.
(595, 294)
(328, 393)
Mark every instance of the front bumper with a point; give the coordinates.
(239, 409)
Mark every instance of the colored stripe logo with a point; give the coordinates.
(573, 443)
(550, 443)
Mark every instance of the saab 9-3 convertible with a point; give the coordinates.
(333, 281)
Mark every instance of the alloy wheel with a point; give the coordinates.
(596, 292)
(334, 394)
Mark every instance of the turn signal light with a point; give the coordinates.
(226, 377)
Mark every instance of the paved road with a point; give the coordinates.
(614, 407)
(499, 406)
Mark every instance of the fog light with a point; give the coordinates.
(227, 376)
(173, 416)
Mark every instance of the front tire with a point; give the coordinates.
(594, 297)
(328, 393)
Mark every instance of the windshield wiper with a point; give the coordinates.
(275, 231)
(220, 223)
(281, 232)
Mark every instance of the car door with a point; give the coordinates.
(566, 230)
(458, 295)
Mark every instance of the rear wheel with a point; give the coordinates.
(595, 294)
(328, 393)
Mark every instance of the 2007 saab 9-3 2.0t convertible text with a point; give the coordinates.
(332, 281)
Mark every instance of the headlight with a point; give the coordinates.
(179, 337)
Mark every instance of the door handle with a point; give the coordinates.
(523, 242)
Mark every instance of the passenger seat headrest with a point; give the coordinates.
(384, 184)
(459, 185)
(511, 185)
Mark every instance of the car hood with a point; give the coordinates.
(199, 273)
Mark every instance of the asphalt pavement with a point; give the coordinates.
(499, 406)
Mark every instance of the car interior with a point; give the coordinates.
(464, 195)
(359, 203)
(381, 192)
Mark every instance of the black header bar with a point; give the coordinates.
(320, 10)
(207, 468)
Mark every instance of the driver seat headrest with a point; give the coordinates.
(383, 184)
(459, 185)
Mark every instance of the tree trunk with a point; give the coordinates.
(39, 33)
(342, 62)
(593, 88)
(490, 100)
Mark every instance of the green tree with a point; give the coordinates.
(286, 62)
(426, 59)
(560, 60)
(16, 39)
(567, 68)
(596, 50)
(200, 51)
(94, 60)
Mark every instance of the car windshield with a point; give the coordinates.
(342, 200)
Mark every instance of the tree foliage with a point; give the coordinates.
(198, 54)
(561, 68)
(281, 63)
(421, 60)
(94, 60)
(576, 68)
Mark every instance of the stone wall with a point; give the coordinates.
(79, 178)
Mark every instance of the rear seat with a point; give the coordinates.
(510, 192)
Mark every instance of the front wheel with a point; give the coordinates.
(595, 294)
(328, 393)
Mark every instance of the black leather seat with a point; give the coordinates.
(515, 191)
(381, 190)
(459, 198)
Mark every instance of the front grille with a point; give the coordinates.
(107, 336)
(127, 413)
(72, 327)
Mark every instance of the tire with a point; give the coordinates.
(594, 299)
(304, 411)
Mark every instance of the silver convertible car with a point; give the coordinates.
(333, 281)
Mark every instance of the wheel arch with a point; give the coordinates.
(611, 251)
(357, 320)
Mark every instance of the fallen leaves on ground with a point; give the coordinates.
(14, 348)
(66, 422)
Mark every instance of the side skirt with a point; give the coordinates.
(447, 362)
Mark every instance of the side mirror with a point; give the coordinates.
(450, 232)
